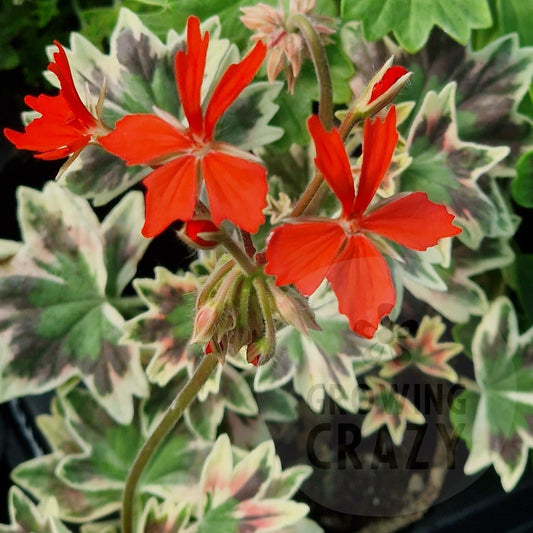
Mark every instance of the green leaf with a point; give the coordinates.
(522, 185)
(454, 167)
(55, 316)
(411, 22)
(25, 517)
(509, 16)
(502, 431)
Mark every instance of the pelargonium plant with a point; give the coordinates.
(343, 182)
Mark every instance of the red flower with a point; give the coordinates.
(235, 181)
(306, 252)
(65, 125)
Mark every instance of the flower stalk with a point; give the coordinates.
(169, 420)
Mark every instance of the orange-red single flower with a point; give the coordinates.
(235, 181)
(65, 125)
(341, 250)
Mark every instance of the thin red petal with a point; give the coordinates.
(362, 282)
(391, 76)
(46, 135)
(411, 220)
(232, 83)
(302, 253)
(379, 142)
(140, 139)
(50, 106)
(190, 66)
(236, 189)
(61, 68)
(332, 161)
(170, 194)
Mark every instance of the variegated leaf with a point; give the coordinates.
(464, 297)
(89, 481)
(426, 352)
(235, 495)
(388, 408)
(171, 515)
(167, 325)
(447, 168)
(491, 82)
(25, 517)
(56, 319)
(502, 431)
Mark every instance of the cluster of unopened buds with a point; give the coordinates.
(250, 292)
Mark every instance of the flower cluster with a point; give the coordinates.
(186, 158)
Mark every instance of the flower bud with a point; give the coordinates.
(204, 323)
(261, 351)
(292, 308)
(197, 233)
(380, 91)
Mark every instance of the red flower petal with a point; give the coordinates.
(379, 142)
(236, 189)
(411, 220)
(50, 106)
(141, 139)
(190, 66)
(303, 253)
(46, 135)
(61, 68)
(362, 282)
(232, 83)
(170, 194)
(391, 76)
(332, 161)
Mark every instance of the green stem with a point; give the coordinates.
(240, 256)
(325, 104)
(320, 61)
(172, 415)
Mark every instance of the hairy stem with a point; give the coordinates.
(172, 415)
(320, 61)
(325, 104)
(239, 255)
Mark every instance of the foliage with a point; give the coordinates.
(119, 348)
